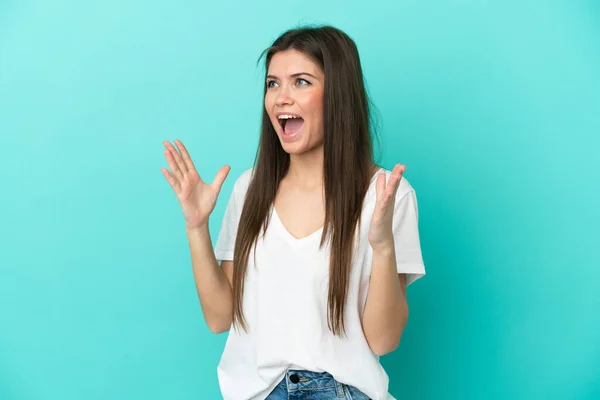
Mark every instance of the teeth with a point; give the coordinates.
(287, 116)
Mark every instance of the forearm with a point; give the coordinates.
(212, 285)
(386, 310)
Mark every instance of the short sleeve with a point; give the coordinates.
(406, 237)
(226, 239)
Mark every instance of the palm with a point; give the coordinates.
(381, 230)
(196, 197)
(197, 200)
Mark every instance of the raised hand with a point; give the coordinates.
(196, 197)
(381, 230)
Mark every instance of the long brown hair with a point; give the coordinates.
(348, 163)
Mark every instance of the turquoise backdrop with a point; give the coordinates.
(494, 106)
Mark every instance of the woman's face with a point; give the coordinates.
(294, 101)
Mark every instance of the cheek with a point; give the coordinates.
(314, 104)
(268, 103)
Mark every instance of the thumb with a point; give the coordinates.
(220, 177)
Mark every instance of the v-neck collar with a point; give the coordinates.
(286, 233)
(297, 241)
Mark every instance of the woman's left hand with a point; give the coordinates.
(381, 235)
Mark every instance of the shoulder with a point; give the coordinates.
(240, 187)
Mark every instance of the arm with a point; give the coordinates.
(386, 309)
(197, 199)
(213, 282)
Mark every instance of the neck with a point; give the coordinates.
(306, 169)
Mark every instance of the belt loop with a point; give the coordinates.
(339, 387)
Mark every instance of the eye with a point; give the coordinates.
(271, 83)
(302, 82)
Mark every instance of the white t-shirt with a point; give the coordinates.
(285, 302)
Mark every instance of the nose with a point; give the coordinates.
(284, 96)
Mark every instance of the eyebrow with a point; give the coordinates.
(297, 74)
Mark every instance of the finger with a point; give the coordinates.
(380, 185)
(187, 160)
(174, 184)
(176, 157)
(395, 178)
(220, 177)
(175, 172)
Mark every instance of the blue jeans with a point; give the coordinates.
(301, 385)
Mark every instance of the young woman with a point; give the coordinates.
(318, 243)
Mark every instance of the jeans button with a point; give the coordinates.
(294, 378)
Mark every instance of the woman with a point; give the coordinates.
(317, 243)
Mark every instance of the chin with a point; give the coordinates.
(297, 148)
(298, 144)
(293, 148)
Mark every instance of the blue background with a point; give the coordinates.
(493, 106)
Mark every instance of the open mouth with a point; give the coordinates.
(290, 123)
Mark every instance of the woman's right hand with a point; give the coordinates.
(196, 197)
